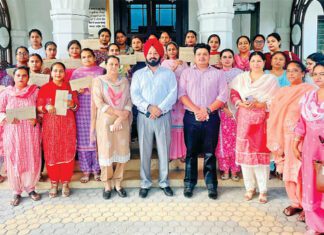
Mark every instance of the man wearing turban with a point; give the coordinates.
(154, 91)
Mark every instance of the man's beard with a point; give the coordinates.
(154, 62)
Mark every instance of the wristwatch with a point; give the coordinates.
(208, 110)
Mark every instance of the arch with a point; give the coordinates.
(297, 17)
(5, 50)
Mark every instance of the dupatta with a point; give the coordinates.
(285, 98)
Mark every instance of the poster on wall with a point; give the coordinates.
(97, 21)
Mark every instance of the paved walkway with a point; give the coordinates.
(85, 212)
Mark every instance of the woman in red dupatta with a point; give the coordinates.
(59, 132)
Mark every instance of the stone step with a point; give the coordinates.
(135, 164)
(132, 180)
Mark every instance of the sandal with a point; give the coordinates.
(66, 190)
(249, 195)
(96, 177)
(289, 211)
(225, 176)
(2, 178)
(34, 196)
(85, 178)
(16, 200)
(53, 190)
(301, 217)
(263, 198)
(235, 178)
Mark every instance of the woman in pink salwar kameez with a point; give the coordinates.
(310, 130)
(21, 138)
(225, 150)
(251, 93)
(283, 117)
(177, 148)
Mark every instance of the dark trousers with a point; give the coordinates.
(201, 137)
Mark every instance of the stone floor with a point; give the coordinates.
(86, 212)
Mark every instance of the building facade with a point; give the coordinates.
(299, 22)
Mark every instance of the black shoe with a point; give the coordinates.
(212, 193)
(143, 192)
(167, 191)
(106, 194)
(121, 192)
(187, 192)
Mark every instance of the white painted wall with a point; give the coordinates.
(38, 16)
(310, 28)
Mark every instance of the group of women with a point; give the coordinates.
(272, 112)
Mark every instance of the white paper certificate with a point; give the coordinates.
(48, 63)
(186, 54)
(81, 83)
(38, 79)
(140, 56)
(90, 43)
(10, 71)
(127, 59)
(72, 63)
(214, 59)
(23, 113)
(61, 98)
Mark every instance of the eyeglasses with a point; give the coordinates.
(259, 41)
(22, 53)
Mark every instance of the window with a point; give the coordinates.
(320, 34)
(138, 18)
(5, 42)
(142, 17)
(166, 15)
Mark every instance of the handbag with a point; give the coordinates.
(319, 175)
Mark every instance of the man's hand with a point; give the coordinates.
(155, 111)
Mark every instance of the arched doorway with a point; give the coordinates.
(5, 27)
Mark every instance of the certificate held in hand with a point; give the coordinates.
(127, 59)
(38, 79)
(81, 83)
(61, 99)
(23, 113)
(186, 54)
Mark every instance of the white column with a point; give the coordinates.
(216, 16)
(70, 21)
(283, 22)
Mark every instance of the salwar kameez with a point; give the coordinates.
(284, 114)
(177, 146)
(58, 135)
(113, 147)
(311, 126)
(251, 152)
(21, 141)
(225, 151)
(86, 148)
(101, 56)
(5, 80)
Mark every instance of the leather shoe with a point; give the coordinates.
(212, 193)
(106, 194)
(121, 192)
(187, 192)
(167, 191)
(143, 192)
